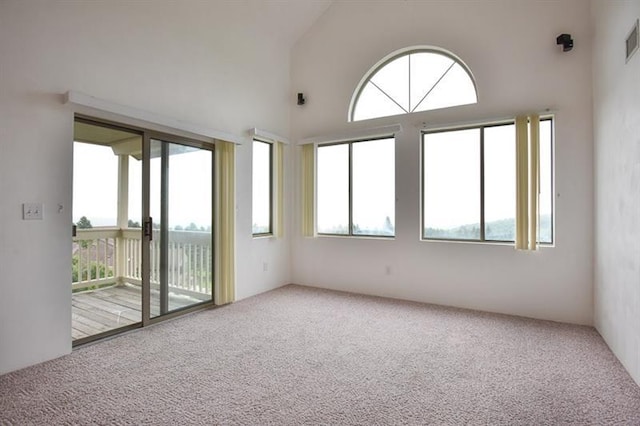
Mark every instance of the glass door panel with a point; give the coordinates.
(181, 206)
(107, 239)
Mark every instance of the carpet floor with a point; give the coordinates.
(298, 355)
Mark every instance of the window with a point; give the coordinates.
(356, 188)
(412, 80)
(262, 188)
(469, 183)
(545, 202)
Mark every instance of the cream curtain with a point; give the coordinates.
(308, 190)
(527, 181)
(278, 187)
(225, 223)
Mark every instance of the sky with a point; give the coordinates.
(452, 188)
(261, 190)
(373, 185)
(417, 82)
(95, 186)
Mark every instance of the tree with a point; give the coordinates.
(388, 226)
(93, 270)
(84, 223)
(133, 224)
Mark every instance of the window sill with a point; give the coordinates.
(357, 237)
(482, 243)
(262, 236)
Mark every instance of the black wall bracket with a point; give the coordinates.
(566, 41)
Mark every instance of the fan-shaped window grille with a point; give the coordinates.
(411, 81)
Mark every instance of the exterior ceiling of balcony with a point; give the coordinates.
(85, 132)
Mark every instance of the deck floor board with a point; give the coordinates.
(97, 311)
(108, 308)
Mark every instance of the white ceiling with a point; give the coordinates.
(288, 20)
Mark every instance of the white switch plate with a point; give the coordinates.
(32, 211)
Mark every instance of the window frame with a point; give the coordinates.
(270, 232)
(482, 224)
(350, 143)
(407, 51)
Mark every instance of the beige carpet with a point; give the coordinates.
(298, 355)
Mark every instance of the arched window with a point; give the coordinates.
(412, 80)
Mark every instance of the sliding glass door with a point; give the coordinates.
(142, 244)
(179, 225)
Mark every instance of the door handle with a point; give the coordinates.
(148, 228)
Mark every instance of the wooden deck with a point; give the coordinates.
(105, 309)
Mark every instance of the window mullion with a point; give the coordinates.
(409, 88)
(351, 189)
(482, 233)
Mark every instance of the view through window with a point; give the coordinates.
(262, 187)
(412, 81)
(356, 188)
(469, 183)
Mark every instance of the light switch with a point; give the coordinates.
(32, 211)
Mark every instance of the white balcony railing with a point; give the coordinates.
(93, 257)
(103, 256)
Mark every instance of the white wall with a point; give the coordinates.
(616, 91)
(510, 47)
(209, 63)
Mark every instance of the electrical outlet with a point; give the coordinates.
(32, 211)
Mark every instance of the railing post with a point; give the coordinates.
(120, 259)
(123, 217)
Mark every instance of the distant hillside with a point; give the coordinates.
(498, 230)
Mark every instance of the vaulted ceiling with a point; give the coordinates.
(288, 20)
